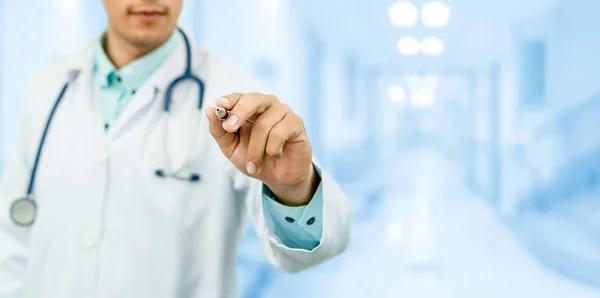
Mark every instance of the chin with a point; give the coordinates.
(150, 37)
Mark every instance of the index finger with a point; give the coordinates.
(228, 101)
(224, 139)
(243, 108)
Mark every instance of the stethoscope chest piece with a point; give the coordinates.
(23, 212)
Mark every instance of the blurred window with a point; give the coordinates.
(532, 73)
(352, 81)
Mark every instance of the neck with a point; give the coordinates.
(121, 52)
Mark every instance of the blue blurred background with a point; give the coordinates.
(463, 132)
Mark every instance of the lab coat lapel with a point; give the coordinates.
(89, 117)
(90, 106)
(151, 91)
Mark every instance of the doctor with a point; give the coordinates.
(124, 182)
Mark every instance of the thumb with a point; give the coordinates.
(226, 140)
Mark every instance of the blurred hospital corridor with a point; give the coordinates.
(428, 237)
(463, 132)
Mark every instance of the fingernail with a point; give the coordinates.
(232, 120)
(222, 101)
(251, 168)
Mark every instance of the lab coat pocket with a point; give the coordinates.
(48, 268)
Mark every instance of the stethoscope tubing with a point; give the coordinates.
(163, 173)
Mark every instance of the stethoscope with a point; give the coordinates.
(23, 211)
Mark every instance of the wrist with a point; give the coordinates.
(300, 194)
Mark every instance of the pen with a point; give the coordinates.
(222, 113)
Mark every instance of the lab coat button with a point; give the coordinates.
(89, 241)
(310, 221)
(289, 219)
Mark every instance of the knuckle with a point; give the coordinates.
(242, 106)
(272, 97)
(285, 107)
(273, 151)
(299, 120)
(278, 135)
(246, 96)
(263, 125)
(235, 96)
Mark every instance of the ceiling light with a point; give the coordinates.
(271, 6)
(68, 5)
(408, 46)
(435, 14)
(403, 14)
(432, 46)
(396, 94)
(421, 98)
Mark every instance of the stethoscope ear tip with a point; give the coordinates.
(160, 173)
(195, 178)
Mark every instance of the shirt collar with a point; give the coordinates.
(134, 74)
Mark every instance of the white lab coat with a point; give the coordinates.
(107, 226)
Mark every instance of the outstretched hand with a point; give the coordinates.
(266, 140)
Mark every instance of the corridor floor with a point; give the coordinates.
(429, 238)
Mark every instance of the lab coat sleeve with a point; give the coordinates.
(13, 239)
(287, 257)
(13, 185)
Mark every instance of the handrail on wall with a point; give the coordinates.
(562, 128)
(567, 117)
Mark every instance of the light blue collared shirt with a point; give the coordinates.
(118, 86)
(296, 227)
